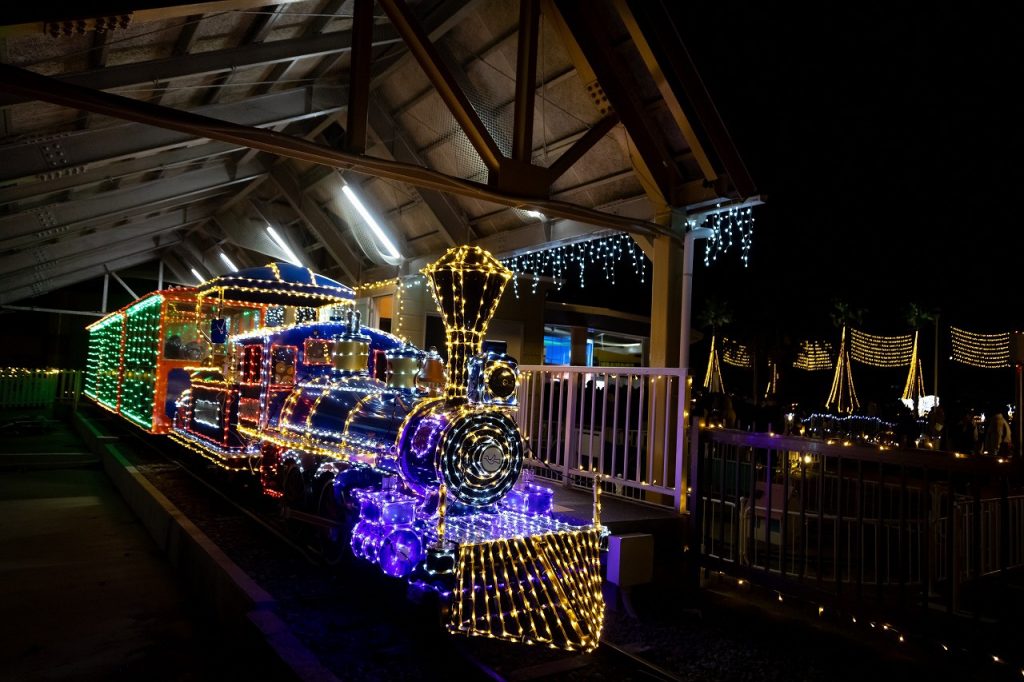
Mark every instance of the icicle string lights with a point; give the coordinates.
(729, 227)
(562, 262)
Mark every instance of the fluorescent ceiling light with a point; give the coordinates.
(197, 275)
(227, 262)
(535, 214)
(377, 230)
(289, 254)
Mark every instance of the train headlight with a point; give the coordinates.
(493, 379)
(501, 382)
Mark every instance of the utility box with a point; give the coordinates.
(630, 559)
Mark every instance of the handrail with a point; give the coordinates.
(627, 423)
(879, 454)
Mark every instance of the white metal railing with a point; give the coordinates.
(38, 387)
(625, 422)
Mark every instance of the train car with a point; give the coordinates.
(390, 455)
(139, 356)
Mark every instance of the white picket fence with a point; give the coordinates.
(625, 422)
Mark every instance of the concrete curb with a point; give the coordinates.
(207, 570)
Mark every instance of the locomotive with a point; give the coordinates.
(409, 464)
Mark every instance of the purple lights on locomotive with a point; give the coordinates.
(417, 445)
(530, 498)
(388, 533)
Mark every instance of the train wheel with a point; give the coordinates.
(334, 542)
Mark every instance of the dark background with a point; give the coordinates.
(887, 142)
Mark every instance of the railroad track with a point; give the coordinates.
(608, 661)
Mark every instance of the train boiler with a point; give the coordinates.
(387, 457)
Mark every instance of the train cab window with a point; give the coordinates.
(244, 320)
(182, 340)
(252, 364)
(282, 364)
(316, 352)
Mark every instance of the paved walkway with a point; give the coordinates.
(84, 594)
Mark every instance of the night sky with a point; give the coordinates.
(888, 146)
(888, 143)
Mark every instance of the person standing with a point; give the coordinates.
(997, 434)
(964, 435)
(936, 426)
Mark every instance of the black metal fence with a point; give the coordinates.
(858, 522)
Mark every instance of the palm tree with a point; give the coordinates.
(843, 314)
(716, 313)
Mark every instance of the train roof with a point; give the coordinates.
(179, 293)
(325, 329)
(278, 284)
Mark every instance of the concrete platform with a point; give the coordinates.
(623, 516)
(85, 594)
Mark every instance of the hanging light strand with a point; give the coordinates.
(734, 226)
(914, 387)
(881, 351)
(988, 351)
(563, 261)
(843, 396)
(736, 354)
(813, 356)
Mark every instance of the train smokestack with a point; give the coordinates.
(467, 283)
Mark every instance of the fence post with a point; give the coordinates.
(1004, 527)
(682, 411)
(571, 450)
(522, 409)
(696, 539)
(955, 553)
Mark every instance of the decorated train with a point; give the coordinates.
(385, 450)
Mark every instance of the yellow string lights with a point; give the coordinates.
(843, 396)
(466, 283)
(881, 351)
(914, 387)
(364, 289)
(987, 351)
(315, 292)
(538, 589)
(813, 356)
(736, 354)
(713, 375)
(773, 380)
